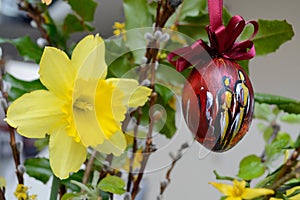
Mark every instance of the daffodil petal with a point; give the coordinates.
(36, 114)
(65, 154)
(57, 72)
(223, 188)
(109, 108)
(115, 145)
(88, 58)
(250, 193)
(233, 198)
(134, 94)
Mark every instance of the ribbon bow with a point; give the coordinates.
(222, 40)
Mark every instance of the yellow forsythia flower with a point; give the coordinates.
(238, 190)
(47, 2)
(21, 192)
(119, 28)
(80, 109)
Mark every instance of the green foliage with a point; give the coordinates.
(137, 14)
(275, 148)
(286, 104)
(251, 167)
(112, 184)
(74, 177)
(84, 8)
(271, 35)
(19, 87)
(26, 48)
(38, 168)
(290, 118)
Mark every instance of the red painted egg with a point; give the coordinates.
(218, 103)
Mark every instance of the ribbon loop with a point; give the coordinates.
(222, 40)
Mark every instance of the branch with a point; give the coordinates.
(89, 166)
(165, 9)
(164, 184)
(13, 143)
(2, 196)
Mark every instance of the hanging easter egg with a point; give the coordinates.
(218, 103)
(218, 98)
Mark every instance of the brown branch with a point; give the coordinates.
(36, 16)
(89, 167)
(164, 11)
(2, 192)
(13, 143)
(134, 148)
(164, 184)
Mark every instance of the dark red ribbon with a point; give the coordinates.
(222, 40)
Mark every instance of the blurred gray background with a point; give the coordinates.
(277, 73)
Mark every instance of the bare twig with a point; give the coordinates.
(13, 143)
(89, 167)
(164, 184)
(165, 9)
(2, 192)
(36, 16)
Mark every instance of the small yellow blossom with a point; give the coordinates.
(47, 2)
(288, 193)
(238, 190)
(21, 192)
(80, 109)
(119, 28)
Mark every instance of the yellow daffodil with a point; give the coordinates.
(80, 109)
(238, 190)
(21, 192)
(289, 193)
(47, 2)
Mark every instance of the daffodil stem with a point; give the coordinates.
(54, 188)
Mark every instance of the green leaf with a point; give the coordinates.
(226, 178)
(72, 24)
(290, 118)
(262, 111)
(56, 37)
(74, 177)
(191, 8)
(26, 48)
(164, 92)
(271, 35)
(297, 142)
(112, 184)
(251, 167)
(118, 57)
(275, 148)
(286, 104)
(137, 14)
(69, 196)
(84, 8)
(19, 87)
(38, 168)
